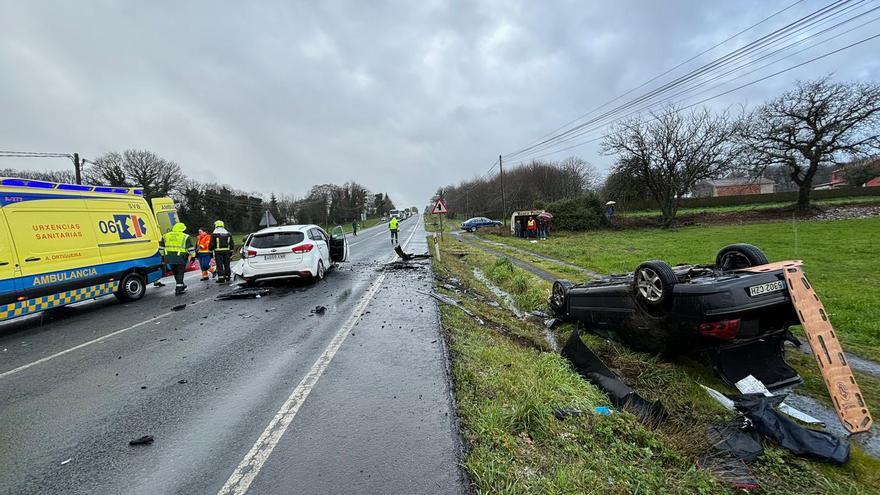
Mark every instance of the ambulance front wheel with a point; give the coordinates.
(131, 288)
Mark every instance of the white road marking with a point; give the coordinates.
(243, 475)
(94, 341)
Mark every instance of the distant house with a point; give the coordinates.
(837, 181)
(735, 187)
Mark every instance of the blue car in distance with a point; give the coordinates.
(475, 223)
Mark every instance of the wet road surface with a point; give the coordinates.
(253, 395)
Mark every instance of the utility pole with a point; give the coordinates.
(77, 167)
(467, 204)
(503, 207)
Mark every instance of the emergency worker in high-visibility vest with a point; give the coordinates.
(204, 255)
(222, 246)
(177, 247)
(392, 226)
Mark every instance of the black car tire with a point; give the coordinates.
(736, 256)
(132, 287)
(652, 283)
(558, 297)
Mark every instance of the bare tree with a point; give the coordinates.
(137, 168)
(669, 152)
(816, 123)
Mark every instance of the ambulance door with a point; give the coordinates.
(9, 285)
(125, 230)
(165, 212)
(56, 245)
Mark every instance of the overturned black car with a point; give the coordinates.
(734, 314)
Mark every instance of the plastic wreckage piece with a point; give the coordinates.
(409, 256)
(589, 366)
(736, 439)
(243, 293)
(800, 441)
(845, 393)
(751, 385)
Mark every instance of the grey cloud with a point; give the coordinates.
(401, 96)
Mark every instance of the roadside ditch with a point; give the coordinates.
(509, 408)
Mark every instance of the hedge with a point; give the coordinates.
(779, 197)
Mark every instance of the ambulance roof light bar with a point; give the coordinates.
(40, 184)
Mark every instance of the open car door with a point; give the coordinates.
(165, 212)
(338, 245)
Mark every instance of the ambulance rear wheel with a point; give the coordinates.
(131, 288)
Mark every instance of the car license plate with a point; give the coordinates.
(274, 257)
(757, 290)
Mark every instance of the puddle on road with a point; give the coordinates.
(511, 305)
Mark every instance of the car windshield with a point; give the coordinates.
(276, 239)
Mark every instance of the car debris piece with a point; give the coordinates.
(452, 302)
(409, 256)
(178, 307)
(144, 440)
(589, 366)
(243, 293)
(732, 314)
(737, 439)
(845, 393)
(66, 460)
(319, 310)
(564, 412)
(800, 441)
(751, 385)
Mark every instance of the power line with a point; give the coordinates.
(630, 91)
(603, 122)
(786, 31)
(764, 78)
(599, 125)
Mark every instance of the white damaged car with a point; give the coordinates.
(290, 251)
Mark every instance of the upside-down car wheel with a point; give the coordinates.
(737, 256)
(558, 297)
(653, 282)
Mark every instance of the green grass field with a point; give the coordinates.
(855, 200)
(839, 256)
(506, 384)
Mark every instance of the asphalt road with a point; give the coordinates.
(252, 395)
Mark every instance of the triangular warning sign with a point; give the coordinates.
(439, 207)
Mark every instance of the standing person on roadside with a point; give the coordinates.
(392, 226)
(532, 227)
(354, 227)
(176, 247)
(542, 228)
(203, 254)
(222, 246)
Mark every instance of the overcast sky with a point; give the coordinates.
(400, 96)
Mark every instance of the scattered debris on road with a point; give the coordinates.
(178, 307)
(319, 310)
(144, 440)
(181, 381)
(244, 293)
(409, 256)
(66, 460)
(452, 302)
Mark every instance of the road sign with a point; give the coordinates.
(439, 207)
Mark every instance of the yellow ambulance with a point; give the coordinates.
(63, 243)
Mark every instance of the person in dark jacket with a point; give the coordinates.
(222, 246)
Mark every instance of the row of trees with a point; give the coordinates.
(796, 139)
(536, 183)
(200, 204)
(801, 134)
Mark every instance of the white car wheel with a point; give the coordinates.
(319, 273)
